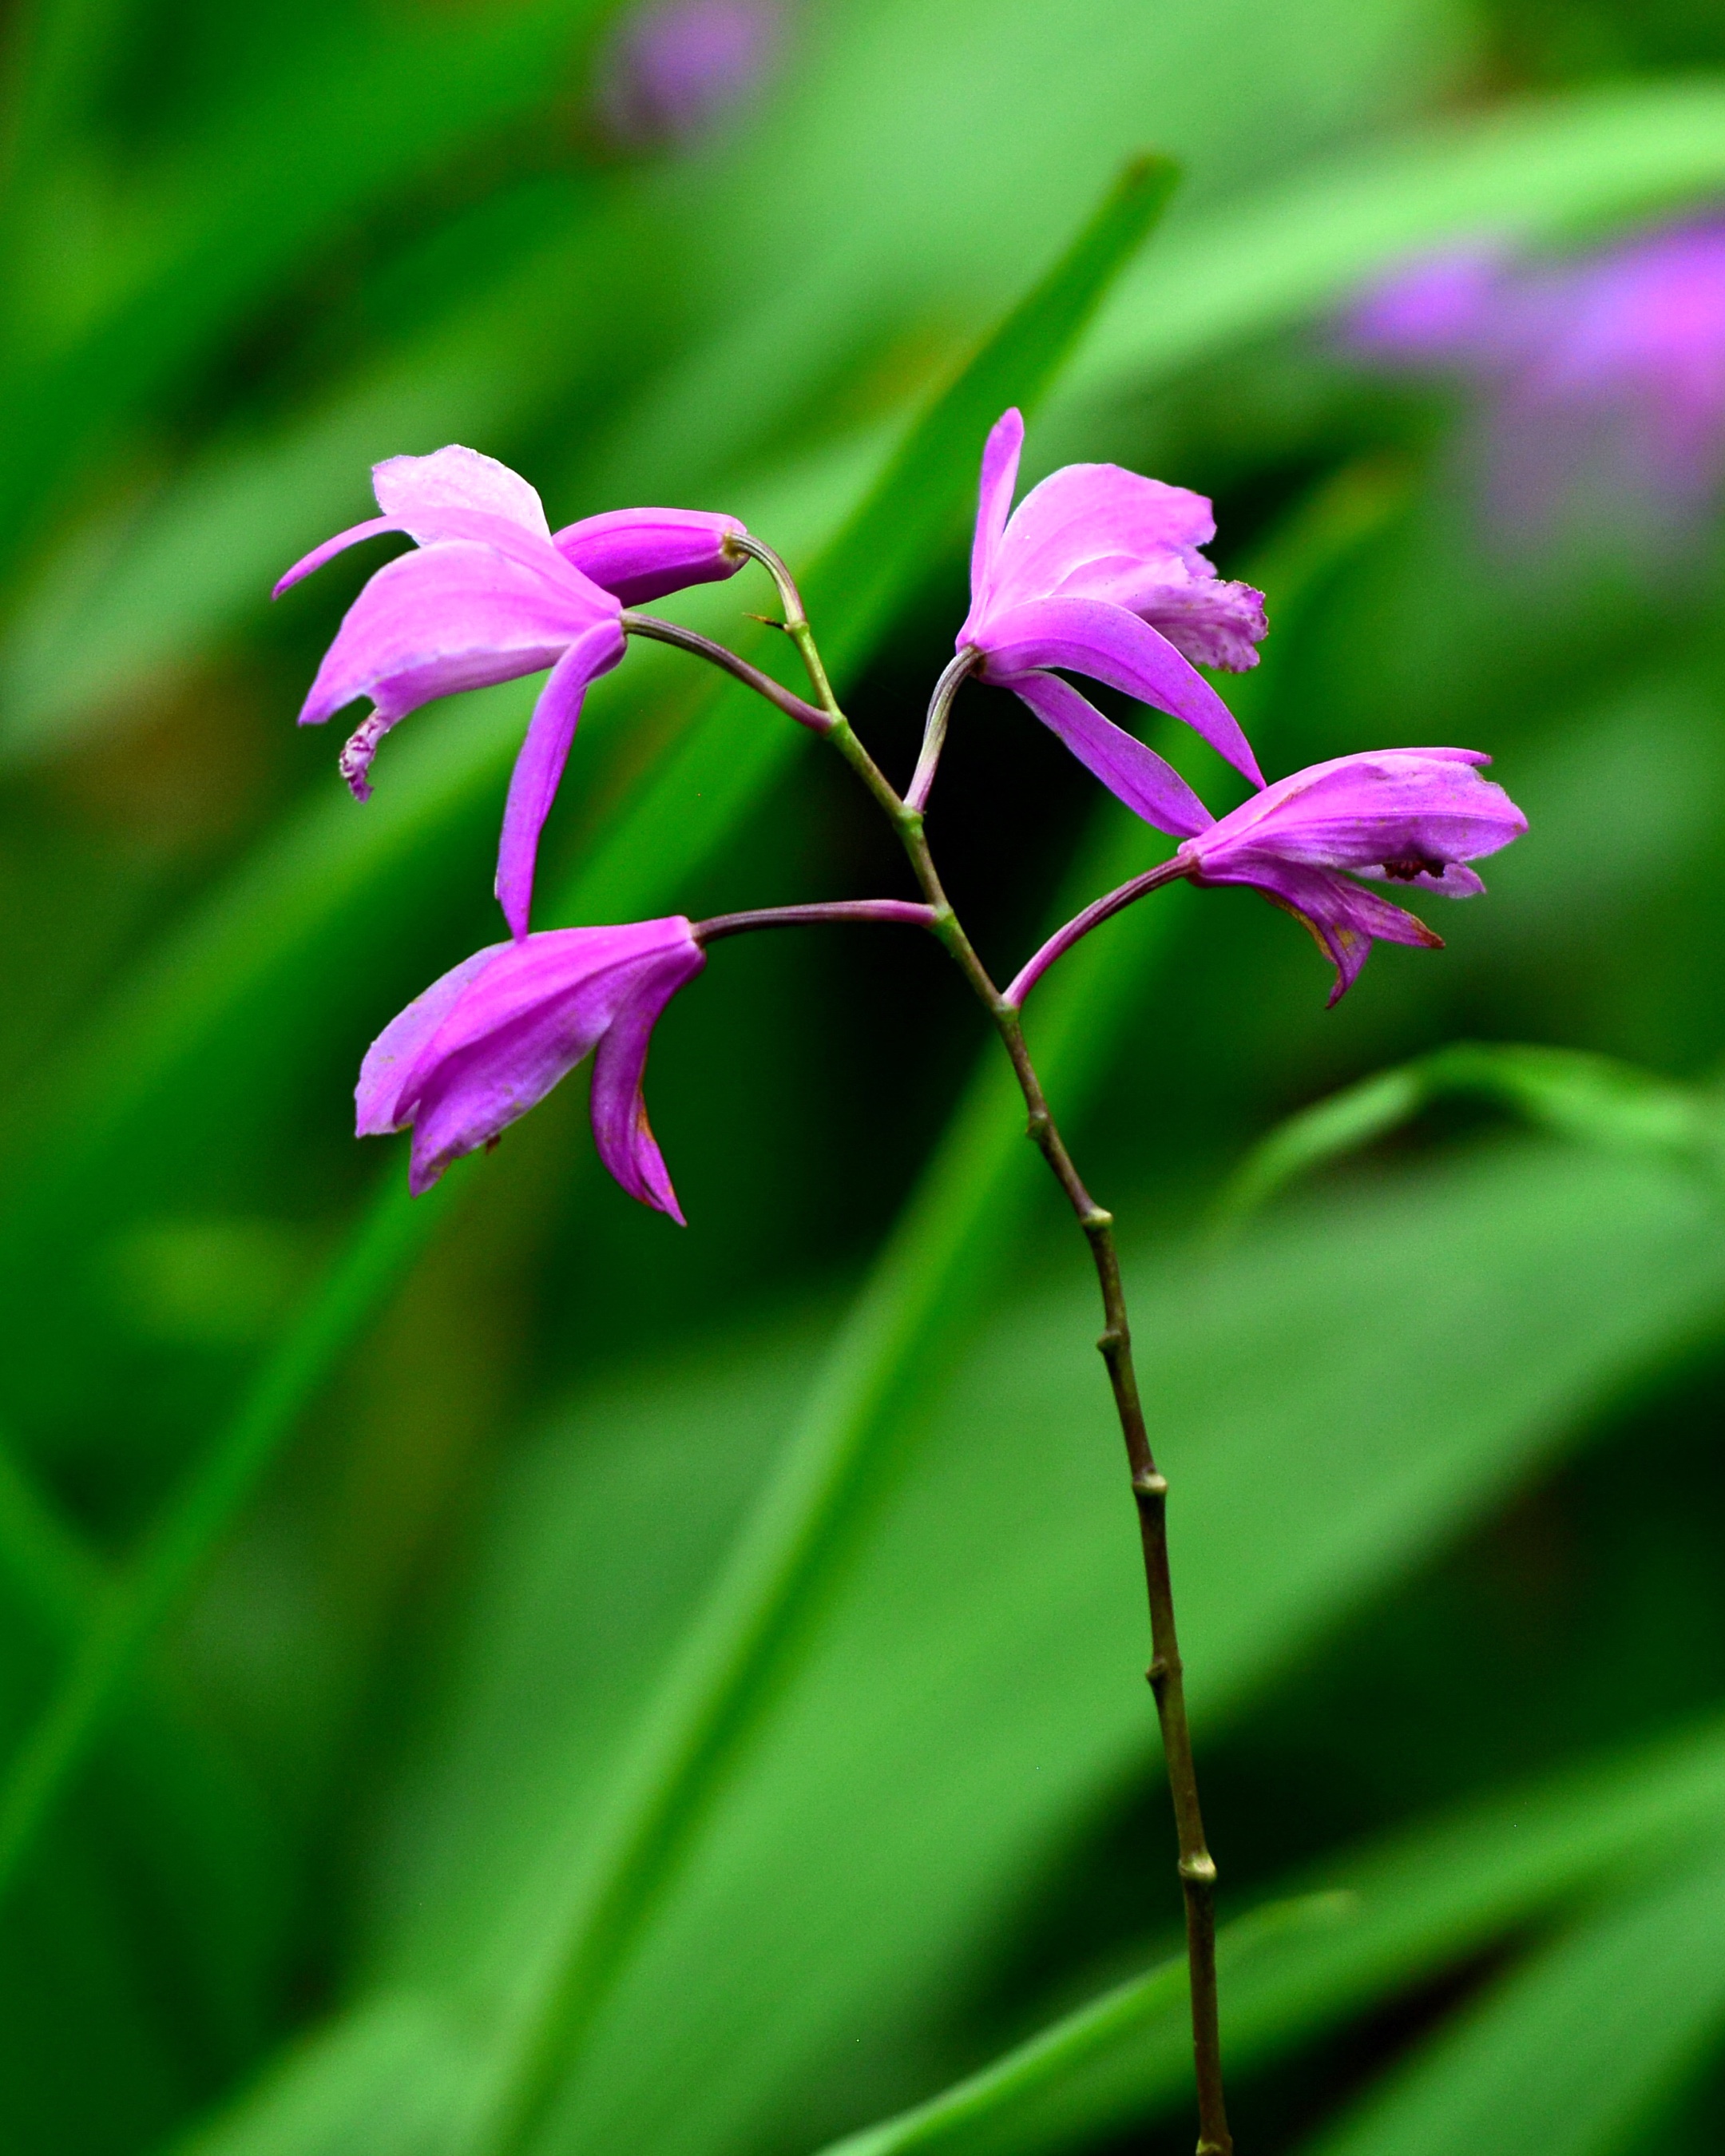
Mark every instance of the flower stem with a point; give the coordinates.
(703, 647)
(905, 912)
(797, 619)
(1149, 1486)
(922, 783)
(1081, 924)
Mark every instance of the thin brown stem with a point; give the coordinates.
(797, 619)
(1081, 924)
(717, 654)
(1149, 1486)
(904, 912)
(922, 783)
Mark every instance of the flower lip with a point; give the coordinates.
(490, 1040)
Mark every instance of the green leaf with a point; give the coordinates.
(1573, 2051)
(392, 97)
(1592, 1098)
(1393, 1918)
(1534, 169)
(998, 1566)
(984, 2107)
(130, 1614)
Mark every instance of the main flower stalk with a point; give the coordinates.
(1149, 1486)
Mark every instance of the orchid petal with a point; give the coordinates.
(638, 554)
(479, 527)
(519, 1023)
(1410, 811)
(1150, 786)
(1001, 454)
(452, 616)
(1082, 513)
(539, 767)
(1342, 918)
(1090, 636)
(1211, 620)
(380, 1101)
(420, 492)
(621, 1130)
(372, 528)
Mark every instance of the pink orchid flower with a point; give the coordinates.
(1099, 571)
(490, 1040)
(489, 594)
(1416, 816)
(1410, 815)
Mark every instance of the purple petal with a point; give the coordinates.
(420, 492)
(520, 1024)
(1090, 636)
(1001, 454)
(1086, 513)
(371, 529)
(480, 527)
(1150, 786)
(621, 1130)
(1342, 917)
(448, 617)
(1215, 622)
(1411, 812)
(455, 494)
(539, 767)
(392, 1057)
(638, 554)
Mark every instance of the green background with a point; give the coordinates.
(437, 1637)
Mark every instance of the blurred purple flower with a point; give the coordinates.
(1098, 570)
(1607, 371)
(492, 593)
(488, 1042)
(676, 66)
(1413, 815)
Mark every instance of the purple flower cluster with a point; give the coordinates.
(1605, 372)
(1098, 571)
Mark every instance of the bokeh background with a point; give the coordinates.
(355, 1556)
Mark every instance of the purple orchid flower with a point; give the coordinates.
(1099, 571)
(489, 594)
(1410, 815)
(1416, 816)
(1608, 368)
(488, 1042)
(677, 66)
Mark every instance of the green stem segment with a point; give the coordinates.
(1149, 1486)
